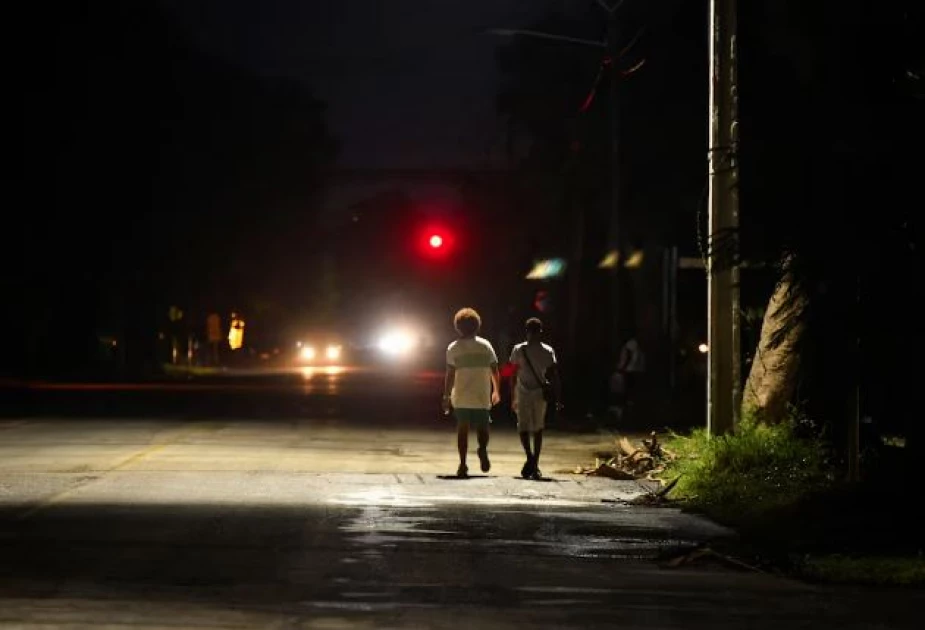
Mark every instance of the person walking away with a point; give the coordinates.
(471, 386)
(535, 362)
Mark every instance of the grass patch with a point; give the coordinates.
(189, 370)
(898, 571)
(740, 478)
(777, 488)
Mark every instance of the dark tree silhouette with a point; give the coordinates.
(832, 115)
(831, 105)
(155, 174)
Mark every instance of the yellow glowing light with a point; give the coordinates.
(703, 348)
(635, 260)
(610, 260)
(333, 372)
(236, 333)
(332, 353)
(308, 353)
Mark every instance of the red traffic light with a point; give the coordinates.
(435, 241)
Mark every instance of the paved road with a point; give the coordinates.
(181, 515)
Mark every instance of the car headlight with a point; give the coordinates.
(308, 353)
(396, 343)
(332, 353)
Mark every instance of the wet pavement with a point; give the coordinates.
(345, 521)
(270, 550)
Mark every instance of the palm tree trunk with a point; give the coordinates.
(773, 375)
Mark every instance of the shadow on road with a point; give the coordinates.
(256, 555)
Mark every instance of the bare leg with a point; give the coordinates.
(528, 467)
(537, 447)
(484, 462)
(483, 436)
(525, 442)
(462, 442)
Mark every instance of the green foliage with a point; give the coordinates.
(740, 477)
(865, 569)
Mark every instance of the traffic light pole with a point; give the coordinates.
(724, 371)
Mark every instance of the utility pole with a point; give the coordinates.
(724, 371)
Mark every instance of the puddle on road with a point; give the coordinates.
(382, 496)
(378, 530)
(390, 497)
(384, 521)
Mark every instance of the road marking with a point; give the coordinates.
(200, 427)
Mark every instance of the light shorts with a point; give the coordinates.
(531, 411)
(475, 418)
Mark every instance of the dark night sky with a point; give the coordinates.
(409, 83)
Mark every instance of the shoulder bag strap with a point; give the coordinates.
(541, 381)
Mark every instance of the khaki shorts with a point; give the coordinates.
(531, 411)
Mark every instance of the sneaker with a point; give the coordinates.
(462, 472)
(483, 460)
(527, 471)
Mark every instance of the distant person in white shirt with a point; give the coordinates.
(471, 387)
(625, 381)
(535, 364)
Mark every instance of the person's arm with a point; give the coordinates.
(513, 385)
(553, 375)
(624, 361)
(448, 381)
(495, 385)
(513, 363)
